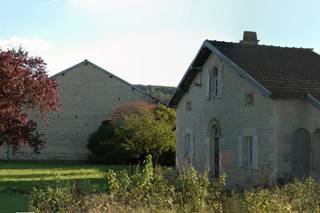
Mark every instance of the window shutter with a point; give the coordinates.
(220, 74)
(214, 79)
(193, 147)
(221, 143)
(240, 151)
(255, 154)
(208, 89)
(207, 152)
(185, 145)
(190, 147)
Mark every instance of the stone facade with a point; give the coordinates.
(291, 116)
(272, 123)
(88, 94)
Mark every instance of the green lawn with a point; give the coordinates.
(18, 178)
(12, 202)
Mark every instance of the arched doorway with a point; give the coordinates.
(214, 148)
(301, 153)
(315, 154)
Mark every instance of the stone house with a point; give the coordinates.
(251, 111)
(88, 94)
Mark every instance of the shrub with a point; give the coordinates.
(56, 199)
(146, 133)
(302, 195)
(147, 189)
(192, 189)
(162, 189)
(104, 148)
(299, 196)
(134, 131)
(143, 188)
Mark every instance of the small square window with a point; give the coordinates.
(249, 99)
(188, 106)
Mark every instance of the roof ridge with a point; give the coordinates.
(86, 61)
(263, 45)
(278, 72)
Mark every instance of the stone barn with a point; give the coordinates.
(88, 94)
(251, 111)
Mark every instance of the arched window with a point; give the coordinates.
(214, 134)
(213, 128)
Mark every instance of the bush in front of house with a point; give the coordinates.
(104, 148)
(53, 199)
(132, 132)
(150, 189)
(154, 189)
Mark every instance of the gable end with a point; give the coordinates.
(264, 91)
(202, 55)
(86, 62)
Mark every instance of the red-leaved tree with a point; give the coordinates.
(24, 88)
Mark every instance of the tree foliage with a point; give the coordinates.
(147, 132)
(24, 87)
(163, 93)
(104, 147)
(138, 129)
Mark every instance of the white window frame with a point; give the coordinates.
(248, 151)
(209, 84)
(189, 146)
(214, 87)
(215, 82)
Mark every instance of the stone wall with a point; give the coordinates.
(273, 121)
(292, 115)
(235, 119)
(88, 95)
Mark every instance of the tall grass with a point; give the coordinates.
(164, 190)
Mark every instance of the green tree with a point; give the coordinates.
(147, 132)
(103, 146)
(163, 93)
(133, 131)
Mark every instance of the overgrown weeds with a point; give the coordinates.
(164, 190)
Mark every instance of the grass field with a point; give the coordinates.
(18, 178)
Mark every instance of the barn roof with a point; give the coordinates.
(278, 72)
(86, 62)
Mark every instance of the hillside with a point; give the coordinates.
(163, 93)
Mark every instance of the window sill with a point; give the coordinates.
(249, 168)
(212, 98)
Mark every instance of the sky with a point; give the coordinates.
(149, 41)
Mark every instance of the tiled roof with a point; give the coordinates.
(288, 73)
(285, 72)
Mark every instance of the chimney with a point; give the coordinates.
(249, 38)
